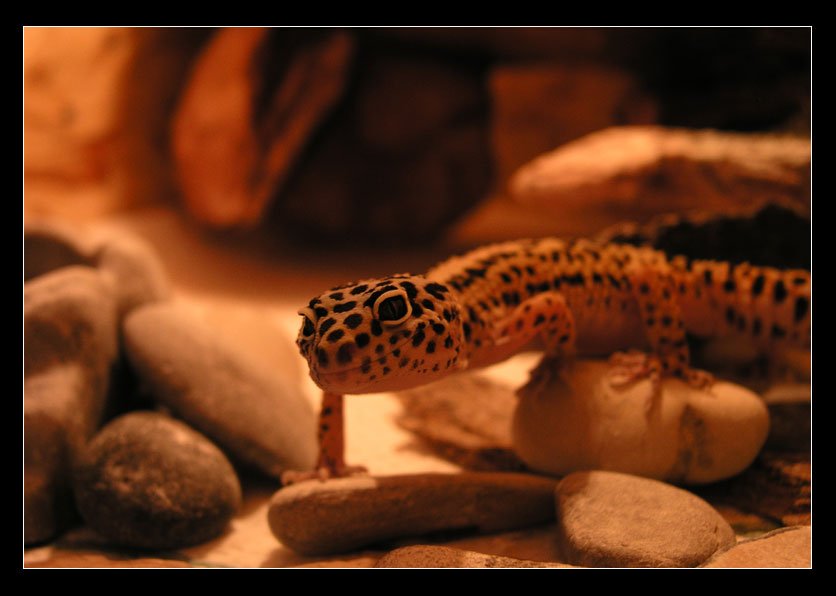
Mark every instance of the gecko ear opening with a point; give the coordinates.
(392, 308)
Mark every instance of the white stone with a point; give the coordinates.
(578, 420)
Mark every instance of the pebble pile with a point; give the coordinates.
(99, 323)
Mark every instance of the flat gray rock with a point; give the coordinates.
(149, 481)
(253, 413)
(609, 519)
(340, 515)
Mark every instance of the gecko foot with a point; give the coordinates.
(699, 379)
(323, 473)
(633, 366)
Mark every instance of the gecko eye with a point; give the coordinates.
(307, 326)
(392, 308)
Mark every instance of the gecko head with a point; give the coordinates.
(381, 335)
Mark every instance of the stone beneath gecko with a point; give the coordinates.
(561, 297)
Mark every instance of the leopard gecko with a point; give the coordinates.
(560, 296)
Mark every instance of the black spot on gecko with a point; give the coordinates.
(505, 277)
(730, 315)
(540, 319)
(376, 328)
(346, 353)
(430, 347)
(326, 325)
(575, 280)
(778, 332)
(428, 304)
(320, 311)
(801, 306)
(345, 306)
(729, 286)
(362, 340)
(353, 321)
(335, 335)
(706, 275)
(756, 326)
(418, 338)
(436, 290)
(466, 329)
(779, 291)
(438, 328)
(511, 298)
(757, 285)
(448, 342)
(359, 289)
(322, 357)
(336, 296)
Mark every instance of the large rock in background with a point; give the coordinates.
(95, 115)
(388, 141)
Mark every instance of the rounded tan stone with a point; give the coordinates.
(608, 519)
(575, 419)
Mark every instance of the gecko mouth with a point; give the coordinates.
(353, 379)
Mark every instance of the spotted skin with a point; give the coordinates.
(562, 297)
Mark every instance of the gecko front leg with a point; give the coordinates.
(331, 437)
(546, 317)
